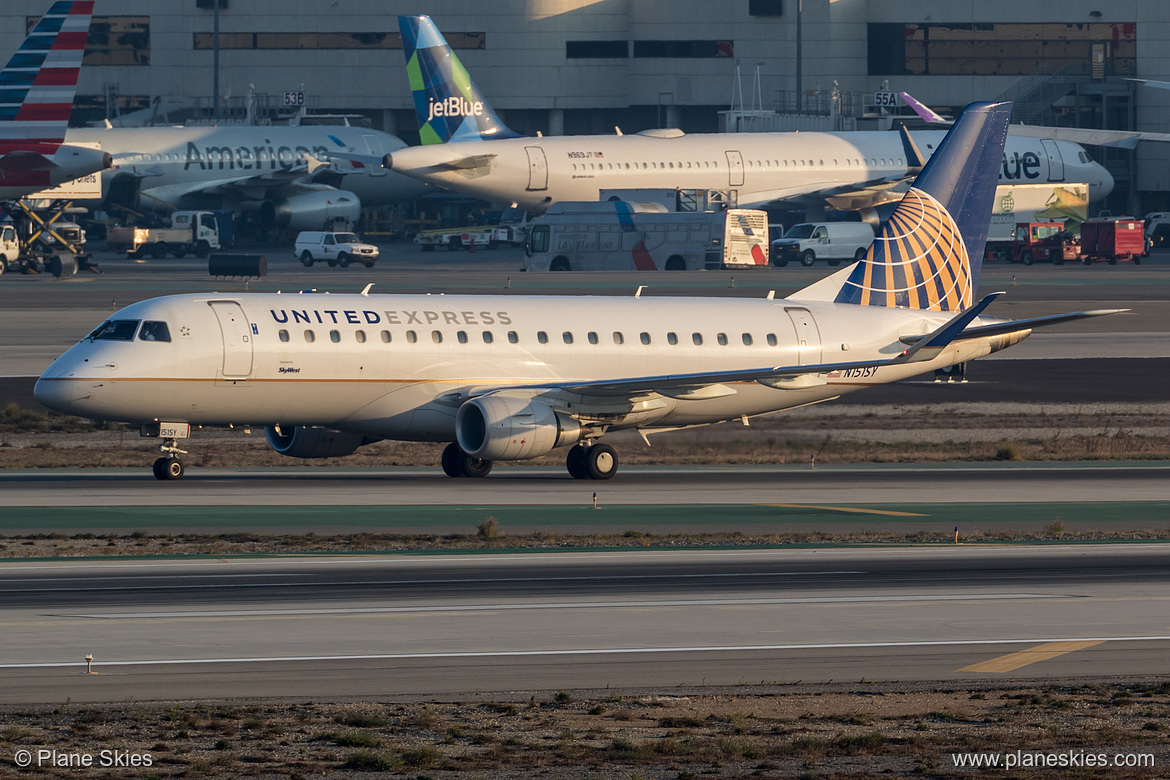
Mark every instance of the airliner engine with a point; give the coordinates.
(301, 441)
(311, 210)
(496, 427)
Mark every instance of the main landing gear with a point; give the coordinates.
(591, 461)
(169, 466)
(457, 463)
(585, 461)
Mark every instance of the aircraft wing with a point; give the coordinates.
(924, 348)
(1124, 139)
(255, 186)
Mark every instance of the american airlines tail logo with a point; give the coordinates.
(456, 105)
(918, 261)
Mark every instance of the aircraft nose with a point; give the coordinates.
(1106, 185)
(57, 393)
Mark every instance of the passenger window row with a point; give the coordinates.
(542, 337)
(873, 162)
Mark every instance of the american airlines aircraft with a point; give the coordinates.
(276, 171)
(510, 378)
(36, 94)
(468, 149)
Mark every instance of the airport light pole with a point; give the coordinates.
(799, 58)
(215, 60)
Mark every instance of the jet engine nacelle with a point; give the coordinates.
(301, 441)
(496, 427)
(311, 210)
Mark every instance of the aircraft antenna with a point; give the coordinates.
(638, 292)
(366, 291)
(771, 295)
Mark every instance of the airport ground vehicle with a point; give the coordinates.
(829, 241)
(1018, 204)
(336, 249)
(1114, 239)
(468, 237)
(1044, 242)
(617, 235)
(191, 232)
(36, 240)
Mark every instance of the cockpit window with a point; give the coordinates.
(154, 331)
(115, 330)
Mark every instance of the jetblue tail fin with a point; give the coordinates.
(929, 253)
(39, 81)
(448, 104)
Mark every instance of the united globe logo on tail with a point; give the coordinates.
(917, 261)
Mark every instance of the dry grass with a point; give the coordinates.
(870, 732)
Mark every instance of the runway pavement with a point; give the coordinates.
(709, 499)
(450, 625)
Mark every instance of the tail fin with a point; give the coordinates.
(929, 253)
(448, 104)
(38, 84)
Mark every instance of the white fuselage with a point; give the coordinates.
(760, 167)
(176, 162)
(396, 366)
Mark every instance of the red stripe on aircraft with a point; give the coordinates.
(42, 112)
(55, 77)
(70, 40)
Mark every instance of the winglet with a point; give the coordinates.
(914, 159)
(923, 111)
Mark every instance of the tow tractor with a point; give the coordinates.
(1045, 242)
(39, 239)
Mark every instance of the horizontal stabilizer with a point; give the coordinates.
(1014, 326)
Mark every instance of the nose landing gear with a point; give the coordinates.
(169, 466)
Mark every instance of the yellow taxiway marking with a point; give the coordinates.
(850, 509)
(1013, 661)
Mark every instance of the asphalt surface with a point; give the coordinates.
(450, 625)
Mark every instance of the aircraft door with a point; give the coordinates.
(735, 167)
(374, 145)
(808, 336)
(537, 169)
(1055, 161)
(237, 339)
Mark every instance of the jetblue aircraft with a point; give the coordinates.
(510, 378)
(468, 149)
(36, 94)
(276, 171)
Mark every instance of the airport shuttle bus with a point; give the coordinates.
(625, 236)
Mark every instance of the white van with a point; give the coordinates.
(831, 241)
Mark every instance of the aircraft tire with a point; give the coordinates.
(307, 259)
(452, 460)
(157, 467)
(474, 467)
(575, 462)
(168, 469)
(601, 461)
(808, 258)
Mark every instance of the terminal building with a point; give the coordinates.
(588, 66)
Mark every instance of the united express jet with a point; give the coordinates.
(36, 95)
(468, 149)
(510, 378)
